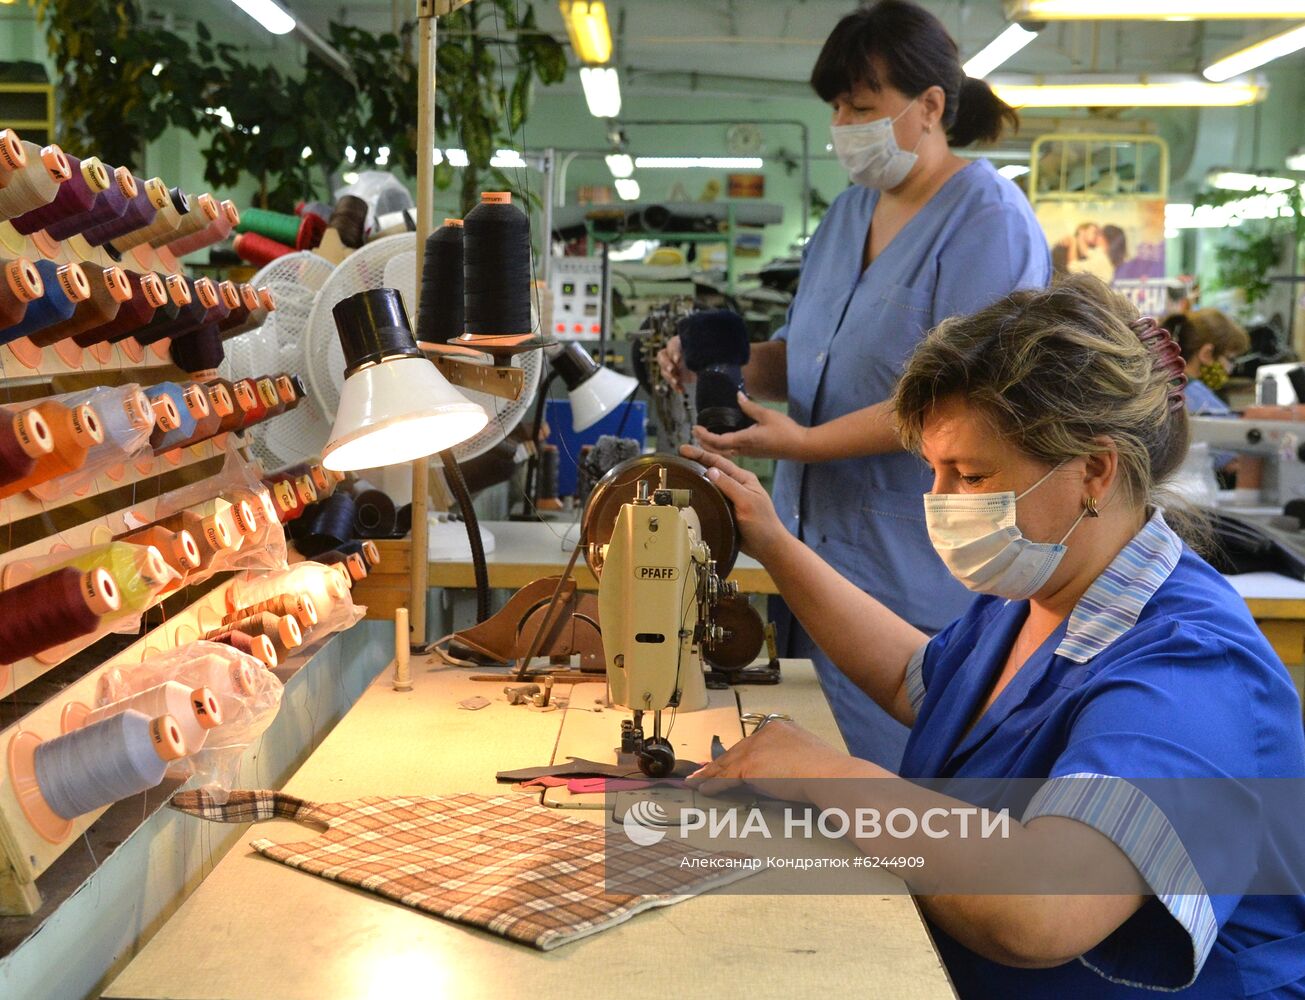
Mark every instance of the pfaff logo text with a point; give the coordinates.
(657, 572)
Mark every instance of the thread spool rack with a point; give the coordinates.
(114, 502)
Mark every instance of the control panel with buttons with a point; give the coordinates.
(577, 297)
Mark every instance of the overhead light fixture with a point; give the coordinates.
(1013, 170)
(594, 389)
(685, 162)
(395, 406)
(1257, 54)
(1231, 180)
(269, 14)
(456, 157)
(627, 188)
(602, 90)
(620, 164)
(1152, 10)
(1127, 92)
(506, 159)
(997, 51)
(1296, 161)
(586, 24)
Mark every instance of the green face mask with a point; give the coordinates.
(1215, 376)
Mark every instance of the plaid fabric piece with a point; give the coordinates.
(502, 863)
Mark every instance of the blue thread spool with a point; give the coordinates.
(161, 440)
(65, 286)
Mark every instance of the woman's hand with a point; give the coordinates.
(753, 509)
(670, 359)
(774, 435)
(780, 759)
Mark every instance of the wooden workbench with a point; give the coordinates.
(256, 929)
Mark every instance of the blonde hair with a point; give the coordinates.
(1055, 370)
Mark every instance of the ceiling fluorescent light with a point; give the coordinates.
(602, 90)
(1152, 10)
(506, 159)
(586, 24)
(457, 157)
(1116, 92)
(710, 162)
(620, 164)
(1296, 161)
(1231, 180)
(627, 188)
(1266, 50)
(269, 14)
(997, 51)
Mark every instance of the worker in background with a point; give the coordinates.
(922, 234)
(1210, 342)
(1101, 653)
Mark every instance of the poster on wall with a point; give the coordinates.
(1121, 242)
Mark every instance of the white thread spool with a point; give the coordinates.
(402, 647)
(35, 184)
(107, 762)
(195, 711)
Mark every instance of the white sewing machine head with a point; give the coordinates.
(661, 538)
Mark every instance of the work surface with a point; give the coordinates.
(256, 930)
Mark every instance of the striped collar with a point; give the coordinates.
(1116, 598)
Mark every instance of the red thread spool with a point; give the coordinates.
(53, 609)
(109, 290)
(312, 227)
(22, 285)
(283, 498)
(219, 229)
(263, 402)
(13, 157)
(24, 437)
(244, 398)
(148, 294)
(73, 431)
(258, 250)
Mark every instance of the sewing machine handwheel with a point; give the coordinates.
(657, 758)
(715, 514)
(744, 634)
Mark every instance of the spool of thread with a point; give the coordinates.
(496, 267)
(213, 532)
(353, 563)
(238, 316)
(52, 609)
(73, 431)
(109, 206)
(274, 225)
(194, 411)
(36, 183)
(286, 393)
(198, 352)
(311, 230)
(63, 286)
(151, 195)
(106, 762)
(195, 710)
(264, 402)
(326, 525)
(220, 407)
(349, 219)
(13, 156)
(217, 231)
(255, 318)
(201, 213)
(165, 222)
(244, 398)
(365, 547)
(375, 515)
(177, 548)
(283, 630)
(125, 422)
(284, 499)
(300, 606)
(260, 500)
(167, 415)
(139, 571)
(276, 403)
(440, 315)
(323, 480)
(74, 197)
(259, 251)
(179, 297)
(22, 285)
(165, 429)
(403, 519)
(24, 437)
(202, 295)
(147, 296)
(207, 422)
(109, 290)
(258, 646)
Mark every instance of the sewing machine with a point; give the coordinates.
(1279, 443)
(661, 539)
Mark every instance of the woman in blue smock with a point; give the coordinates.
(922, 234)
(1102, 662)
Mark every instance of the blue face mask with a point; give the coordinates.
(870, 154)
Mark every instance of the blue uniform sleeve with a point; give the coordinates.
(1152, 762)
(994, 253)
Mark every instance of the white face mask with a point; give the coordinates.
(870, 154)
(976, 537)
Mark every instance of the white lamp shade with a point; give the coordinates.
(598, 396)
(398, 411)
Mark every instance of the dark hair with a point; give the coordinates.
(1116, 244)
(1195, 329)
(916, 53)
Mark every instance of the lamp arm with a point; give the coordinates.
(458, 486)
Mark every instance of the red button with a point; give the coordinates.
(595, 329)
(561, 328)
(579, 328)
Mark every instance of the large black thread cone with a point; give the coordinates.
(373, 327)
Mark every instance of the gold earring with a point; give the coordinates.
(1090, 506)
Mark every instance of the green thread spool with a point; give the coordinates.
(274, 225)
(138, 570)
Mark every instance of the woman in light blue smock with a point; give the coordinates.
(1106, 675)
(921, 235)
